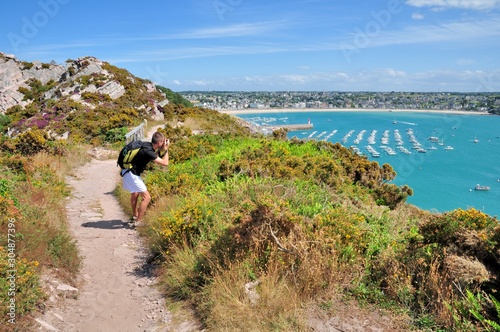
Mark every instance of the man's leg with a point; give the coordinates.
(145, 199)
(133, 201)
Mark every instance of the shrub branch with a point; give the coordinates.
(280, 246)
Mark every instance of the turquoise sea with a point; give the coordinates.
(442, 179)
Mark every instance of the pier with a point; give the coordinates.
(292, 127)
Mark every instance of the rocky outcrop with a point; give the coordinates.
(87, 81)
(113, 89)
(15, 74)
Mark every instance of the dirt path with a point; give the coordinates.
(116, 292)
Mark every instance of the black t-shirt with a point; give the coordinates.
(143, 157)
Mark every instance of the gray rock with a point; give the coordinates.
(113, 89)
(46, 326)
(67, 291)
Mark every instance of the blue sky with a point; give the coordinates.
(257, 45)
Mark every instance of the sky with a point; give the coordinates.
(270, 45)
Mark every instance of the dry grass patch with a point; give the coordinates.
(236, 303)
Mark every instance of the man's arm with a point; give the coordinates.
(162, 159)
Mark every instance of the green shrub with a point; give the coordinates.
(27, 65)
(31, 142)
(36, 90)
(5, 120)
(454, 252)
(116, 135)
(19, 281)
(174, 98)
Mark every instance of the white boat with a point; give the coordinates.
(448, 147)
(372, 151)
(433, 139)
(481, 188)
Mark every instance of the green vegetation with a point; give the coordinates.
(494, 104)
(27, 65)
(175, 98)
(309, 222)
(33, 232)
(4, 122)
(36, 90)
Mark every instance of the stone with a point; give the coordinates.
(67, 291)
(250, 290)
(114, 89)
(45, 325)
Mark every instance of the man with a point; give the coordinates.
(156, 151)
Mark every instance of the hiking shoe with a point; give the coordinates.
(136, 224)
(133, 219)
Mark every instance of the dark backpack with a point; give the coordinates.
(127, 155)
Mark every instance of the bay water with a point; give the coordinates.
(442, 179)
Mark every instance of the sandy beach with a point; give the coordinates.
(304, 110)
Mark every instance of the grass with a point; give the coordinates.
(279, 213)
(32, 204)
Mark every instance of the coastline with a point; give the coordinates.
(305, 110)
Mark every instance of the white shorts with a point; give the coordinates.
(133, 183)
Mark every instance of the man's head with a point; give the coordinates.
(158, 139)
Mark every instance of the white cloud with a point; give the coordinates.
(417, 16)
(465, 62)
(466, 4)
(471, 30)
(237, 30)
(201, 83)
(467, 80)
(295, 79)
(459, 31)
(381, 79)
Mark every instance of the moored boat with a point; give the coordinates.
(481, 188)
(433, 139)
